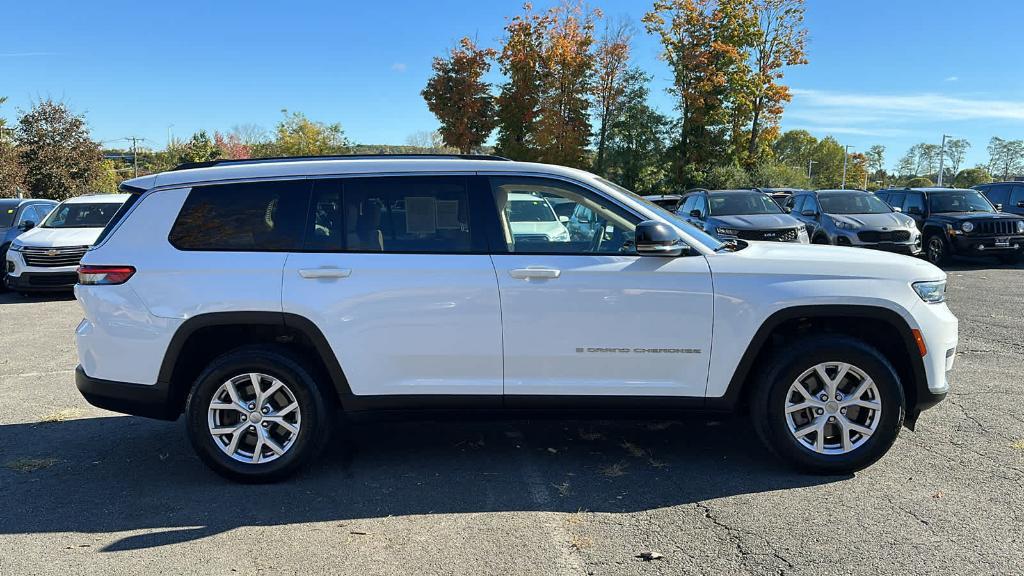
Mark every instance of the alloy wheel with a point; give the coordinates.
(935, 249)
(833, 408)
(254, 418)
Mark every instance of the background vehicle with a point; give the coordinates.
(779, 195)
(742, 214)
(533, 219)
(854, 218)
(670, 202)
(18, 215)
(1009, 196)
(959, 222)
(46, 257)
(257, 306)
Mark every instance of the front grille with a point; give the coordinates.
(884, 236)
(53, 257)
(50, 280)
(996, 227)
(780, 235)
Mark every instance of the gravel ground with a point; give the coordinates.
(84, 491)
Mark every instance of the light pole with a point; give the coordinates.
(809, 164)
(846, 155)
(942, 156)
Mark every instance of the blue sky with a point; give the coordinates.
(892, 72)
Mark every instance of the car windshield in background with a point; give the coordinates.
(7, 211)
(959, 201)
(697, 234)
(852, 203)
(530, 211)
(81, 215)
(741, 204)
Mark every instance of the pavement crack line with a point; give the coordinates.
(735, 534)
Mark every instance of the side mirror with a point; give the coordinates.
(809, 213)
(27, 225)
(695, 214)
(659, 239)
(563, 219)
(1020, 204)
(897, 209)
(787, 209)
(999, 207)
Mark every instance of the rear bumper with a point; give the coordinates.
(149, 400)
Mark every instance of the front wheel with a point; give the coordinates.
(820, 239)
(829, 405)
(936, 250)
(256, 415)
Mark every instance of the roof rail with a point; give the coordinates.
(227, 162)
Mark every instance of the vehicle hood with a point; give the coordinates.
(756, 221)
(812, 260)
(884, 221)
(549, 228)
(964, 216)
(60, 237)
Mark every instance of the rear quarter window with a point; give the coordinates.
(243, 217)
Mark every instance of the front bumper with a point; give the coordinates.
(24, 278)
(967, 245)
(148, 400)
(911, 247)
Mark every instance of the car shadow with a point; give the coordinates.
(114, 474)
(10, 297)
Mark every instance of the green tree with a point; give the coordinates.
(727, 178)
(970, 177)
(795, 148)
(459, 97)
(611, 64)
(59, 158)
(12, 173)
(108, 177)
(518, 102)
(1006, 157)
(919, 182)
(297, 135)
(636, 140)
(956, 151)
(771, 174)
(200, 148)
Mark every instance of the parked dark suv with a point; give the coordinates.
(959, 222)
(1006, 195)
(741, 214)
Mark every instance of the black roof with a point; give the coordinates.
(227, 162)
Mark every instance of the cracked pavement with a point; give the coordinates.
(84, 491)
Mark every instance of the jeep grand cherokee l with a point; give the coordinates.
(959, 222)
(256, 297)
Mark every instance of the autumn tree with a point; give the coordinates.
(459, 97)
(636, 139)
(231, 146)
(518, 103)
(12, 173)
(611, 62)
(779, 41)
(199, 148)
(59, 158)
(297, 135)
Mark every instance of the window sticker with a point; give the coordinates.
(420, 215)
(448, 215)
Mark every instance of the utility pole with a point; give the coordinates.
(846, 155)
(942, 156)
(809, 164)
(135, 153)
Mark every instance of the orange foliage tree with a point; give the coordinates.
(459, 97)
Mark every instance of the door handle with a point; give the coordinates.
(325, 272)
(528, 273)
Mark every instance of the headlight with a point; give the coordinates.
(17, 246)
(843, 224)
(727, 231)
(967, 226)
(932, 292)
(801, 232)
(1020, 226)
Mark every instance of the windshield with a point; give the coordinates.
(852, 203)
(696, 233)
(80, 215)
(959, 201)
(530, 211)
(7, 210)
(741, 204)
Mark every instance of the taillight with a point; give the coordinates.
(104, 275)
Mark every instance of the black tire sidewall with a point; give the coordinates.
(314, 427)
(943, 256)
(772, 399)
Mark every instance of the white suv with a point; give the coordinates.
(259, 296)
(46, 257)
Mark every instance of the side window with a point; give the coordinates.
(418, 214)
(914, 203)
(42, 211)
(688, 205)
(27, 213)
(702, 205)
(325, 230)
(997, 193)
(530, 225)
(883, 196)
(1016, 197)
(810, 203)
(896, 199)
(246, 217)
(796, 204)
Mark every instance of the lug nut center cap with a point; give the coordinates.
(255, 417)
(832, 407)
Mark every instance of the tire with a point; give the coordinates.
(821, 239)
(3, 268)
(936, 249)
(311, 417)
(779, 429)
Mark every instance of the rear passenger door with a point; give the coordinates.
(395, 273)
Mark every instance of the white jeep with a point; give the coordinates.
(257, 297)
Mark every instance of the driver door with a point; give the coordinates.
(587, 316)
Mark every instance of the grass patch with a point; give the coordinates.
(1019, 445)
(62, 415)
(30, 464)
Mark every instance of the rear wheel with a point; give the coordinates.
(256, 415)
(830, 405)
(936, 249)
(3, 269)
(820, 239)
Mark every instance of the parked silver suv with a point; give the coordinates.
(854, 218)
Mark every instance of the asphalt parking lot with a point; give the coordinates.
(84, 491)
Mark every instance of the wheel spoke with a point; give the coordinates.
(255, 379)
(859, 391)
(233, 393)
(257, 450)
(845, 433)
(233, 446)
(819, 442)
(802, 390)
(801, 406)
(287, 409)
(813, 426)
(226, 406)
(272, 444)
(280, 421)
(863, 430)
(869, 404)
(270, 392)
